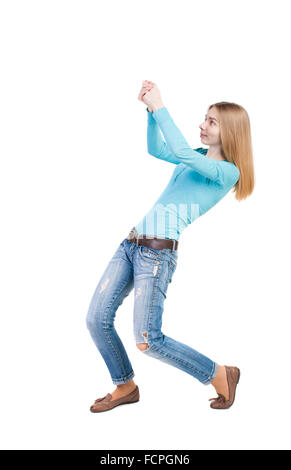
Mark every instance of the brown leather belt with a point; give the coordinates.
(156, 243)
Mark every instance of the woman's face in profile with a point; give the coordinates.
(210, 130)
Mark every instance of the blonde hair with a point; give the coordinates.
(235, 135)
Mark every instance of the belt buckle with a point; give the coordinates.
(174, 244)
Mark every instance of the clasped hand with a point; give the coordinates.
(150, 95)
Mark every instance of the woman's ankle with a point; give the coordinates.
(128, 385)
(218, 379)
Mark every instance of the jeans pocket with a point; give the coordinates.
(172, 255)
(148, 254)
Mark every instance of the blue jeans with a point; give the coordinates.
(149, 271)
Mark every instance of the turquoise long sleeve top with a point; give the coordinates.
(197, 183)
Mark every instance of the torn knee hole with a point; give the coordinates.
(142, 346)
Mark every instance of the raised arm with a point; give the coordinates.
(157, 147)
(181, 152)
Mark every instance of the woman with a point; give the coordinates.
(147, 258)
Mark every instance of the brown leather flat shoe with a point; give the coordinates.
(220, 402)
(105, 403)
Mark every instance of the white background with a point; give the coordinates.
(76, 177)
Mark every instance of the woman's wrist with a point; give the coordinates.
(157, 106)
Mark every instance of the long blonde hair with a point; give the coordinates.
(235, 135)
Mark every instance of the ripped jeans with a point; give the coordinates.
(149, 271)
